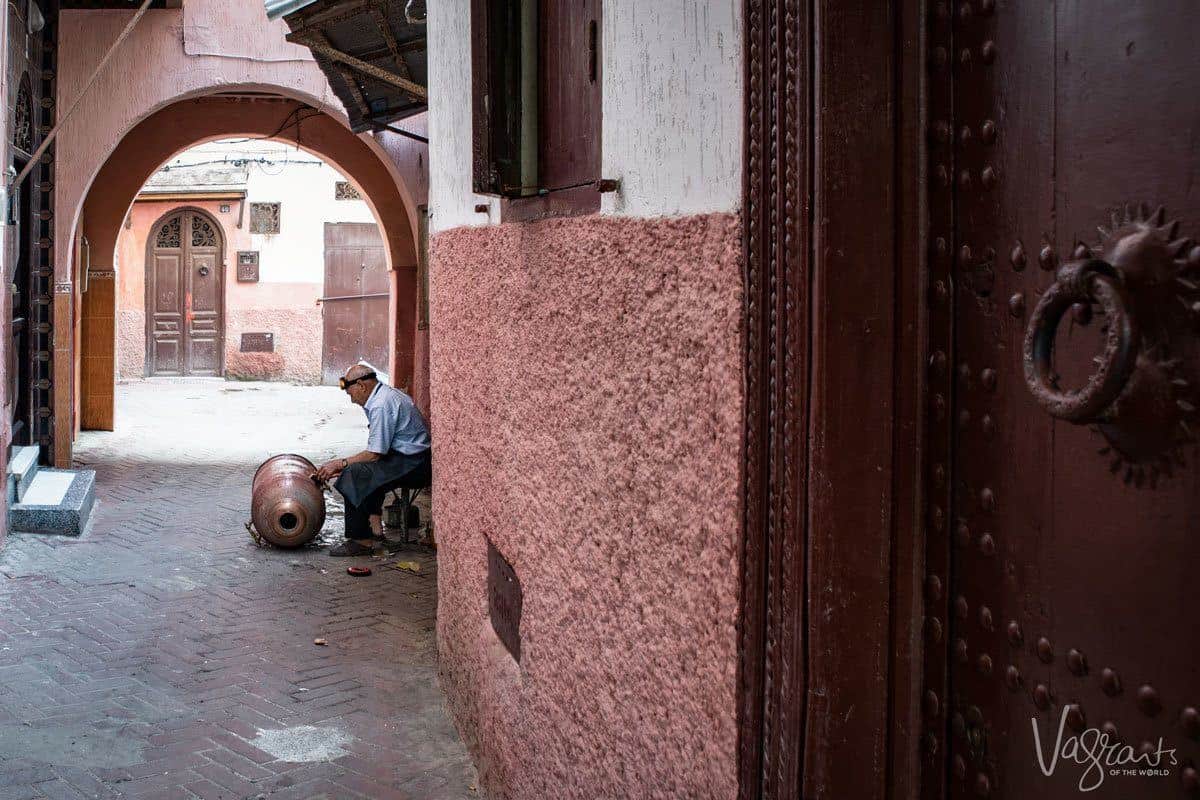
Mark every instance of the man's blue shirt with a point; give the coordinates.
(394, 422)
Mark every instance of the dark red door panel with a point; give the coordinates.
(1072, 532)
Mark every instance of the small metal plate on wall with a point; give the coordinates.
(258, 343)
(504, 601)
(247, 266)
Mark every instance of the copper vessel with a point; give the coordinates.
(287, 506)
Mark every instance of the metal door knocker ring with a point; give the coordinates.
(1088, 281)
(1144, 398)
(204, 272)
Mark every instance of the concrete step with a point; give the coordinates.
(57, 501)
(22, 466)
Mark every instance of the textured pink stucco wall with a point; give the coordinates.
(587, 416)
(297, 356)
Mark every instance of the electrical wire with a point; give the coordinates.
(242, 162)
(295, 118)
(288, 122)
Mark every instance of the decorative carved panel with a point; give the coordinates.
(23, 116)
(344, 190)
(203, 234)
(264, 218)
(169, 234)
(247, 266)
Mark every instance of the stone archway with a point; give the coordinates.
(193, 121)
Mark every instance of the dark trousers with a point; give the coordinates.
(378, 478)
(358, 518)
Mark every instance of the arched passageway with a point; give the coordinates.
(245, 54)
(193, 121)
(189, 122)
(173, 482)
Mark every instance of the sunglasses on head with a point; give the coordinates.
(346, 384)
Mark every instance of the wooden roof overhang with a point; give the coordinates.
(372, 52)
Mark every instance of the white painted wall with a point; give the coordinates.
(451, 201)
(306, 194)
(672, 109)
(304, 186)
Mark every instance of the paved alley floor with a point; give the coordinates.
(164, 655)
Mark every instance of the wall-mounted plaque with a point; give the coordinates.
(258, 343)
(247, 266)
(264, 217)
(505, 599)
(344, 190)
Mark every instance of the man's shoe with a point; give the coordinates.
(353, 547)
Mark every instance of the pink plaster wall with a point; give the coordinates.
(214, 45)
(297, 356)
(587, 416)
(288, 310)
(411, 159)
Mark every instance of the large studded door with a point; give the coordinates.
(1064, 659)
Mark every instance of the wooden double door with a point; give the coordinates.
(973, 374)
(185, 295)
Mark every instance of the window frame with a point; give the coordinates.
(541, 123)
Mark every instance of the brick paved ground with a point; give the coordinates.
(164, 655)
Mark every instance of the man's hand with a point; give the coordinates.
(330, 469)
